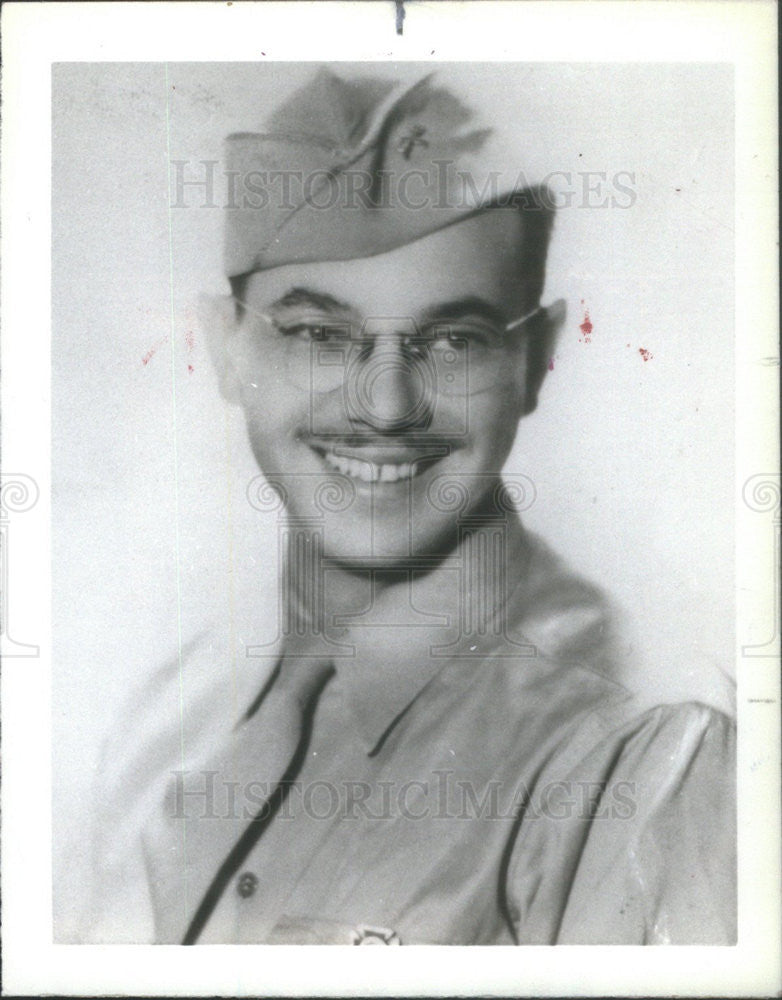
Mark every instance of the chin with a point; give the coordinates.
(380, 545)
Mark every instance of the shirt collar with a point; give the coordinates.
(543, 606)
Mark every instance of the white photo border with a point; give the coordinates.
(37, 35)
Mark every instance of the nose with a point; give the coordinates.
(389, 387)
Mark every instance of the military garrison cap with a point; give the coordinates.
(352, 168)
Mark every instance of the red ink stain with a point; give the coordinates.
(551, 364)
(586, 328)
(190, 341)
(646, 355)
(152, 351)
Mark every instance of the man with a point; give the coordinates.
(439, 751)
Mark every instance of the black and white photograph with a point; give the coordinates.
(393, 506)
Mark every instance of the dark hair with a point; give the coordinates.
(537, 210)
(238, 285)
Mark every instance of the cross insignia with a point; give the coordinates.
(415, 137)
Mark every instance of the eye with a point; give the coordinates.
(464, 335)
(313, 329)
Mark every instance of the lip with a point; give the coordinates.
(385, 452)
(391, 456)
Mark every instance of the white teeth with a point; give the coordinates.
(369, 472)
(390, 473)
(361, 470)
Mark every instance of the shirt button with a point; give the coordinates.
(247, 884)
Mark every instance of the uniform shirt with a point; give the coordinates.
(506, 794)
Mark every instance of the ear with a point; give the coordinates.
(543, 334)
(218, 321)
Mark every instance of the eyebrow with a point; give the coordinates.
(301, 296)
(470, 305)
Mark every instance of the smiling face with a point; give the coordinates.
(387, 378)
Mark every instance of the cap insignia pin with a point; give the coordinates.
(415, 137)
